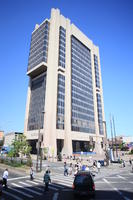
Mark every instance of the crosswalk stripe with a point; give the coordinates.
(33, 182)
(31, 186)
(38, 181)
(21, 192)
(59, 186)
(23, 183)
(17, 178)
(28, 189)
(53, 188)
(12, 195)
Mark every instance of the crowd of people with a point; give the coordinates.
(70, 169)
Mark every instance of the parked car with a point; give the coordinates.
(5, 150)
(84, 184)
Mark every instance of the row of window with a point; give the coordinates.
(96, 71)
(82, 92)
(60, 102)
(39, 46)
(99, 110)
(62, 44)
(37, 102)
(40, 29)
(83, 129)
(82, 104)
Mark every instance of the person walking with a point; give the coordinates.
(5, 177)
(98, 166)
(31, 173)
(70, 169)
(65, 169)
(87, 168)
(46, 180)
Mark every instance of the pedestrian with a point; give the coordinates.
(31, 173)
(76, 170)
(1, 186)
(65, 169)
(98, 166)
(5, 177)
(130, 161)
(132, 165)
(87, 168)
(46, 180)
(70, 169)
(83, 167)
(48, 169)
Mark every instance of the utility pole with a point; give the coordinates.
(112, 136)
(115, 137)
(39, 150)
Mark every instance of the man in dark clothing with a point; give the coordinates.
(46, 180)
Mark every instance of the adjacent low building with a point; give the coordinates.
(10, 137)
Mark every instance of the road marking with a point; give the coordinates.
(121, 177)
(53, 188)
(11, 179)
(21, 192)
(67, 189)
(28, 189)
(38, 181)
(37, 188)
(55, 197)
(114, 188)
(32, 182)
(12, 195)
(23, 183)
(59, 186)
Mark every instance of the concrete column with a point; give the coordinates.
(27, 107)
(51, 84)
(67, 138)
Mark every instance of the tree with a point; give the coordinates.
(20, 147)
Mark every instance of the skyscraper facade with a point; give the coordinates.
(65, 101)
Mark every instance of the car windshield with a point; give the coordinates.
(82, 178)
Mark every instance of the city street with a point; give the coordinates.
(111, 183)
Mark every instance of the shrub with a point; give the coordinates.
(131, 152)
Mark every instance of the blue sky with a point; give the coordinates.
(109, 23)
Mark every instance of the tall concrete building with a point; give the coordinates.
(65, 99)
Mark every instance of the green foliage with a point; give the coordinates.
(131, 152)
(20, 147)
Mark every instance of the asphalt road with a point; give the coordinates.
(111, 183)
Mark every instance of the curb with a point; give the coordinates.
(17, 170)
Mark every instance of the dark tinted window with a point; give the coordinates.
(82, 179)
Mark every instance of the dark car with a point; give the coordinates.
(84, 184)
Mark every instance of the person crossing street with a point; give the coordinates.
(46, 180)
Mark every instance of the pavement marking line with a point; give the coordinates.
(53, 188)
(59, 186)
(38, 181)
(12, 195)
(21, 192)
(32, 182)
(28, 189)
(55, 197)
(121, 177)
(67, 189)
(37, 188)
(114, 188)
(63, 183)
(23, 183)
(11, 179)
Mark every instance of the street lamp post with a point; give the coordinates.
(39, 152)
